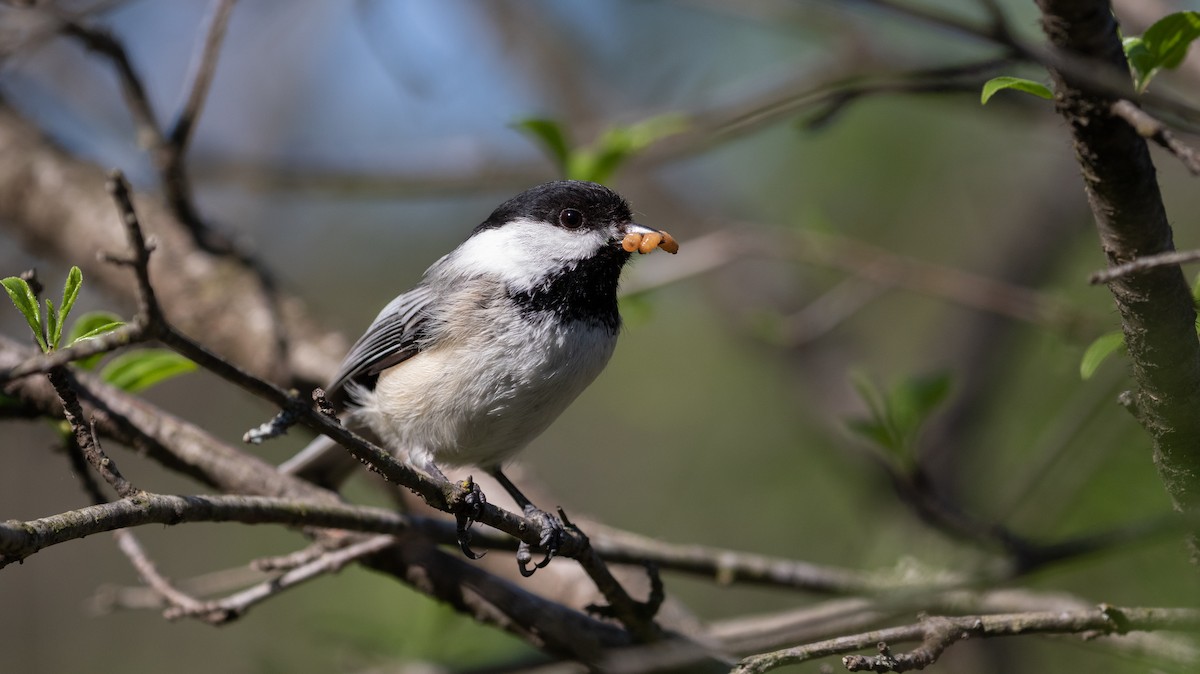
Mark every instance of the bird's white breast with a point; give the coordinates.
(485, 386)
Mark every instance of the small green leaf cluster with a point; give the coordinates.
(895, 417)
(132, 371)
(1162, 46)
(48, 329)
(600, 160)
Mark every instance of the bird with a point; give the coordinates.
(498, 338)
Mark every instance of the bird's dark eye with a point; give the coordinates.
(570, 218)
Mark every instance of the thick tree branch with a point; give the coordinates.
(1158, 316)
(19, 540)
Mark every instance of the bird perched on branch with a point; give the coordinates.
(497, 339)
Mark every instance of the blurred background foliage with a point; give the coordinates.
(349, 144)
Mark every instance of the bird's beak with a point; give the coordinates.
(643, 239)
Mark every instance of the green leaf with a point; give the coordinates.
(138, 370)
(872, 431)
(1020, 84)
(22, 296)
(552, 138)
(93, 324)
(895, 418)
(52, 325)
(878, 426)
(70, 294)
(915, 399)
(1098, 351)
(599, 162)
(1163, 45)
(89, 325)
(1141, 62)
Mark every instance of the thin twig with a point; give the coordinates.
(106, 45)
(300, 557)
(84, 435)
(148, 572)
(936, 633)
(890, 269)
(1150, 128)
(1142, 264)
(230, 608)
(149, 312)
(204, 66)
(109, 598)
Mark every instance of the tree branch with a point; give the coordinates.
(1157, 312)
(936, 633)
(19, 540)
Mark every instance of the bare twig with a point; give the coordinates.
(109, 598)
(1142, 264)
(300, 557)
(106, 45)
(826, 620)
(232, 607)
(733, 566)
(890, 269)
(1150, 128)
(936, 633)
(204, 65)
(148, 572)
(84, 434)
(167, 150)
(837, 97)
(828, 311)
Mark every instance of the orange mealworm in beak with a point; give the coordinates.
(649, 242)
(636, 242)
(631, 242)
(669, 243)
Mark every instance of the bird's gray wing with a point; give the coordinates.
(394, 337)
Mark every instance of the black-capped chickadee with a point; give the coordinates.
(499, 337)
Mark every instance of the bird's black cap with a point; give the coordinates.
(598, 205)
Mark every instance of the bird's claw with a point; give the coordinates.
(551, 533)
(471, 501)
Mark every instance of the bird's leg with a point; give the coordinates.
(470, 497)
(549, 526)
(473, 500)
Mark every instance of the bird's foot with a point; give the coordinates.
(469, 503)
(550, 529)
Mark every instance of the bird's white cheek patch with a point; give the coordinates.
(524, 251)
